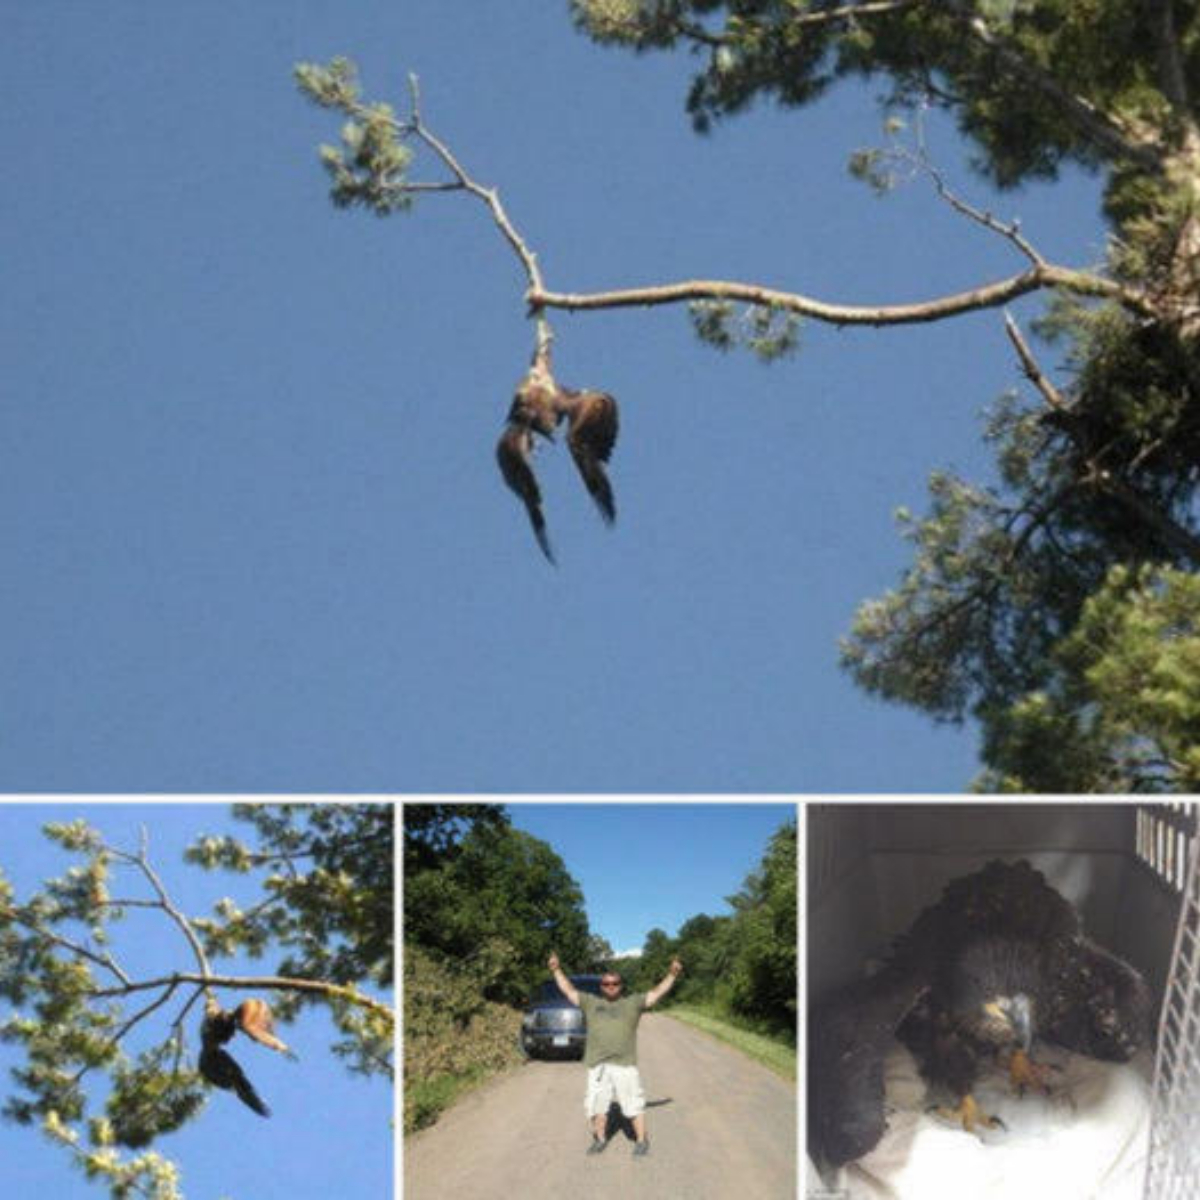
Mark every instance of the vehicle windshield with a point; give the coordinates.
(549, 989)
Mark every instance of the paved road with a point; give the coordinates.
(721, 1128)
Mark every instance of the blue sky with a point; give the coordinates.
(254, 538)
(646, 866)
(330, 1134)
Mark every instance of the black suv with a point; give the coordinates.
(552, 1025)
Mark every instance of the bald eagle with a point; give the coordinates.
(218, 1066)
(999, 960)
(538, 407)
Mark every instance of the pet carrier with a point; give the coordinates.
(872, 868)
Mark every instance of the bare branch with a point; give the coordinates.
(1010, 230)
(168, 992)
(1033, 372)
(142, 862)
(490, 197)
(992, 295)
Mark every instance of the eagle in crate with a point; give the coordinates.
(998, 961)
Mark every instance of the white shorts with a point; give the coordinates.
(606, 1083)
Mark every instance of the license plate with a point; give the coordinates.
(562, 1040)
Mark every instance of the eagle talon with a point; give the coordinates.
(1024, 1073)
(968, 1114)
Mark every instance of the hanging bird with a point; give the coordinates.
(221, 1069)
(538, 407)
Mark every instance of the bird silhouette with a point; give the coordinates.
(218, 1066)
(539, 407)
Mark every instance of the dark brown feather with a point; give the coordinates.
(221, 1070)
(591, 435)
(514, 453)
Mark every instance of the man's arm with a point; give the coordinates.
(564, 984)
(657, 993)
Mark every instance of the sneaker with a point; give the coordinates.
(597, 1146)
(641, 1149)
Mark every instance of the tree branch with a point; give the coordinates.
(1103, 480)
(1099, 127)
(1010, 231)
(168, 992)
(1032, 371)
(142, 862)
(490, 197)
(101, 960)
(822, 16)
(1040, 275)
(277, 983)
(990, 295)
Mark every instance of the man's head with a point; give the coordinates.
(610, 985)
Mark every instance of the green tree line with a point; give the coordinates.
(741, 966)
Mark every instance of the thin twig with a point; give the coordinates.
(143, 864)
(120, 1033)
(490, 197)
(168, 992)
(1010, 230)
(101, 960)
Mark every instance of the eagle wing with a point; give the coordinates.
(591, 435)
(221, 1069)
(1103, 1006)
(849, 1037)
(514, 453)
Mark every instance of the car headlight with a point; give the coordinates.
(527, 1020)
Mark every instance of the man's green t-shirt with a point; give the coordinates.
(612, 1029)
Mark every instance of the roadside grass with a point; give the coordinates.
(426, 1099)
(441, 1068)
(773, 1052)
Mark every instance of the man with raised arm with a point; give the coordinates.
(610, 1054)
